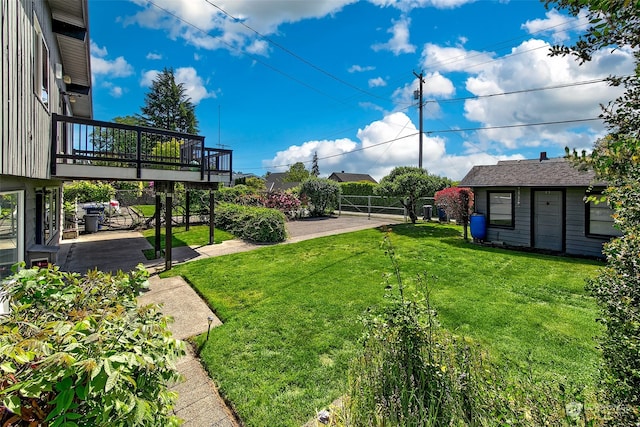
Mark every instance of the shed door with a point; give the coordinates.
(548, 222)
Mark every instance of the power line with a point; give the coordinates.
(513, 92)
(293, 54)
(254, 57)
(558, 122)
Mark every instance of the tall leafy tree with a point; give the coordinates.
(297, 173)
(616, 159)
(410, 183)
(167, 106)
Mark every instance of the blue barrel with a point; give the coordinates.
(478, 226)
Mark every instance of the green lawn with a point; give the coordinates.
(198, 235)
(291, 312)
(146, 211)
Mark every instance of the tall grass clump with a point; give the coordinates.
(411, 372)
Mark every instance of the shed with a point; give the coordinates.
(542, 204)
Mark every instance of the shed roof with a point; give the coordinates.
(557, 172)
(351, 177)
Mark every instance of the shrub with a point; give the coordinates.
(87, 191)
(457, 202)
(361, 188)
(77, 351)
(287, 203)
(232, 194)
(322, 195)
(251, 223)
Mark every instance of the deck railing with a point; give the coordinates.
(91, 142)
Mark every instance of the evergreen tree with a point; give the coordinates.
(315, 169)
(167, 106)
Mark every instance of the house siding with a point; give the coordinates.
(520, 234)
(577, 242)
(26, 122)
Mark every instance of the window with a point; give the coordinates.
(11, 230)
(41, 65)
(51, 214)
(501, 208)
(599, 219)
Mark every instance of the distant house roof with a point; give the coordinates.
(275, 182)
(557, 172)
(351, 177)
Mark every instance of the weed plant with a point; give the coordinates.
(411, 372)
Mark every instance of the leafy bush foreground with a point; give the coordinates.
(77, 351)
(255, 224)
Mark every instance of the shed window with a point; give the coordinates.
(501, 208)
(40, 65)
(600, 220)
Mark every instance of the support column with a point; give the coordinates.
(186, 209)
(158, 216)
(212, 205)
(168, 225)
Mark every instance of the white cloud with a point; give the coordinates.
(154, 56)
(148, 77)
(399, 42)
(446, 58)
(188, 77)
(377, 82)
(100, 66)
(435, 86)
(407, 5)
(97, 50)
(193, 84)
(114, 90)
(212, 29)
(382, 145)
(536, 69)
(360, 69)
(557, 25)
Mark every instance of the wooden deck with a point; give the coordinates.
(91, 149)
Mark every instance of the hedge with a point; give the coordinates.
(256, 224)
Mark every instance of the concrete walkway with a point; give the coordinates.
(199, 403)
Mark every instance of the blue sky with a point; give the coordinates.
(277, 80)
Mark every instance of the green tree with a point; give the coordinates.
(315, 169)
(322, 195)
(167, 106)
(410, 183)
(297, 173)
(616, 159)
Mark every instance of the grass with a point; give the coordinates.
(291, 313)
(198, 235)
(146, 211)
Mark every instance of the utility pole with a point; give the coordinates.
(418, 95)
